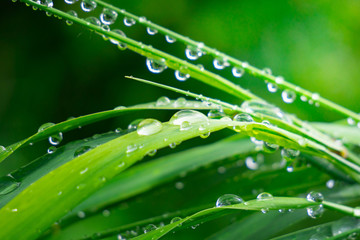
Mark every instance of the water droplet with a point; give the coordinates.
(272, 87)
(81, 214)
(148, 127)
(192, 53)
(264, 108)
(350, 121)
(72, 13)
(172, 145)
(204, 132)
(267, 71)
(179, 185)
(238, 72)
(315, 212)
(108, 16)
(70, 1)
(51, 150)
(152, 153)
(81, 150)
(190, 116)
(264, 196)
(220, 63)
(155, 66)
(315, 197)
(93, 20)
(121, 46)
(45, 126)
(330, 184)
(216, 113)
(289, 154)
(120, 108)
(270, 147)
(149, 228)
(180, 102)
(56, 139)
(256, 141)
(8, 184)
(279, 80)
(2, 149)
(185, 125)
(134, 124)
(129, 21)
(252, 163)
(163, 101)
(47, 3)
(170, 39)
(130, 149)
(221, 170)
(303, 98)
(181, 76)
(88, 5)
(175, 219)
(243, 117)
(288, 96)
(228, 199)
(151, 31)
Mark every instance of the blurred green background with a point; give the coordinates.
(50, 71)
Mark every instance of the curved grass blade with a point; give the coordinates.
(88, 172)
(347, 134)
(95, 117)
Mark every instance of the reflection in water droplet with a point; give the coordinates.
(151, 31)
(175, 219)
(156, 66)
(228, 199)
(170, 39)
(220, 63)
(70, 1)
(121, 46)
(149, 228)
(289, 154)
(238, 72)
(45, 126)
(316, 211)
(192, 53)
(129, 21)
(134, 124)
(56, 139)
(88, 5)
(190, 116)
(47, 3)
(149, 127)
(288, 96)
(272, 87)
(51, 149)
(315, 197)
(181, 76)
(108, 16)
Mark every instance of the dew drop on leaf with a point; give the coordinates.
(108, 16)
(45, 126)
(149, 228)
(264, 196)
(237, 72)
(72, 13)
(181, 76)
(315, 197)
(151, 31)
(289, 154)
(148, 127)
(129, 21)
(270, 147)
(220, 63)
(170, 39)
(243, 117)
(47, 3)
(191, 116)
(56, 139)
(163, 101)
(88, 5)
(315, 211)
(272, 87)
(288, 96)
(81, 150)
(156, 66)
(134, 124)
(121, 46)
(8, 184)
(51, 149)
(180, 102)
(193, 53)
(228, 199)
(70, 1)
(175, 219)
(93, 20)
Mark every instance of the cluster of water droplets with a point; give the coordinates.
(318, 210)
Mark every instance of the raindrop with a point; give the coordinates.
(2, 149)
(181, 76)
(279, 80)
(149, 228)
(175, 219)
(237, 72)
(252, 164)
(45, 126)
(170, 39)
(272, 87)
(228, 199)
(163, 101)
(303, 98)
(106, 213)
(350, 121)
(134, 124)
(264, 108)
(185, 125)
(130, 149)
(152, 153)
(289, 154)
(70, 1)
(288, 96)
(148, 127)
(270, 147)
(81, 214)
(315, 197)
(267, 71)
(264, 196)
(180, 102)
(315, 212)
(56, 139)
(220, 63)
(129, 21)
(172, 145)
(81, 150)
(190, 116)
(93, 20)
(151, 31)
(121, 46)
(51, 150)
(330, 184)
(47, 3)
(216, 113)
(88, 5)
(204, 132)
(72, 13)
(8, 184)
(156, 66)
(243, 117)
(108, 16)
(179, 185)
(192, 53)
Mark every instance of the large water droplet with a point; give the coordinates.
(243, 117)
(72, 13)
(170, 39)
(190, 116)
(149, 127)
(193, 53)
(315, 197)
(181, 76)
(155, 66)
(8, 184)
(288, 96)
(228, 199)
(216, 113)
(45, 126)
(264, 196)
(237, 72)
(315, 212)
(180, 102)
(289, 154)
(163, 101)
(121, 46)
(108, 16)
(175, 219)
(270, 147)
(56, 139)
(81, 150)
(220, 63)
(88, 5)
(129, 21)
(149, 228)
(47, 3)
(272, 87)
(151, 31)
